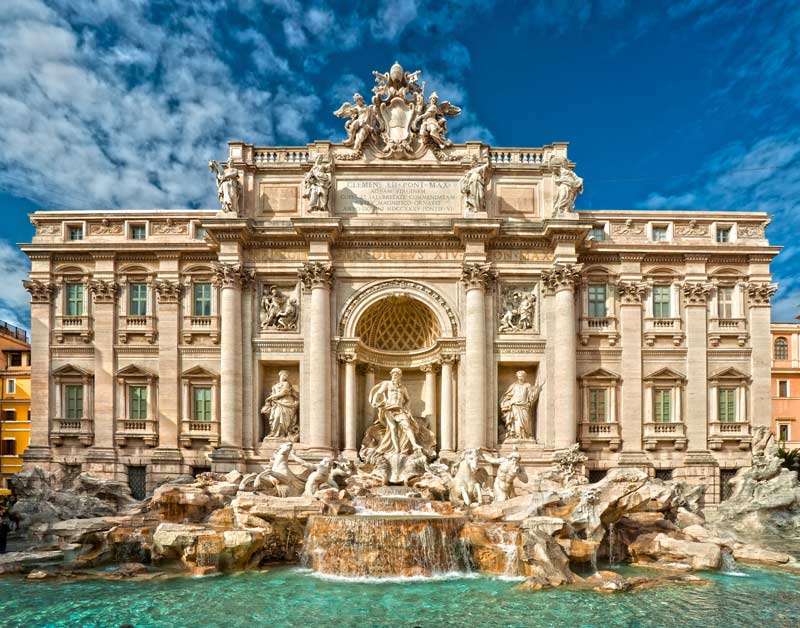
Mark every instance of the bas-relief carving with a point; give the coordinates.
(317, 185)
(751, 231)
(517, 309)
(229, 187)
(279, 311)
(691, 230)
(399, 123)
(628, 228)
(105, 227)
(473, 186)
(169, 227)
(48, 229)
(280, 410)
(518, 409)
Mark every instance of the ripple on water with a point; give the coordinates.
(291, 597)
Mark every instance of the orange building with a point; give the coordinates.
(15, 399)
(786, 384)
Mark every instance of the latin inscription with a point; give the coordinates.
(419, 196)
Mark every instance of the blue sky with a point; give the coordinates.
(682, 104)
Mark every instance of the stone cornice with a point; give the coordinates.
(475, 275)
(316, 275)
(475, 230)
(318, 229)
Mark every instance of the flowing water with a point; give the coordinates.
(289, 597)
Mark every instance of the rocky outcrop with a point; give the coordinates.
(661, 548)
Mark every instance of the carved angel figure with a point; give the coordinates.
(568, 186)
(229, 188)
(432, 123)
(317, 185)
(362, 123)
(473, 186)
(517, 406)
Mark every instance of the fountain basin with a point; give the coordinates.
(385, 545)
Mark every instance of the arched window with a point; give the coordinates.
(781, 349)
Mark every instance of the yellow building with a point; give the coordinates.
(15, 400)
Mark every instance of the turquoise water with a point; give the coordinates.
(293, 597)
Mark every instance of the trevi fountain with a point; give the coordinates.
(333, 487)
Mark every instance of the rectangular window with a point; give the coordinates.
(10, 415)
(200, 233)
(75, 233)
(597, 405)
(9, 447)
(727, 405)
(74, 299)
(783, 433)
(725, 302)
(663, 409)
(15, 359)
(783, 388)
(659, 234)
(11, 386)
(138, 232)
(201, 303)
(723, 234)
(138, 402)
(597, 233)
(597, 300)
(73, 402)
(202, 404)
(662, 301)
(137, 302)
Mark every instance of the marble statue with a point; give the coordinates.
(466, 486)
(568, 186)
(320, 478)
(569, 465)
(278, 312)
(280, 409)
(399, 122)
(518, 309)
(473, 186)
(317, 185)
(229, 186)
(509, 469)
(280, 477)
(517, 406)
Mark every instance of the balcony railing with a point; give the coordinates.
(664, 432)
(597, 432)
(61, 428)
(738, 432)
(199, 430)
(200, 325)
(146, 429)
(605, 326)
(141, 325)
(654, 327)
(78, 325)
(718, 327)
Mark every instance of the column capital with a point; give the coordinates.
(562, 277)
(346, 358)
(316, 275)
(475, 275)
(632, 293)
(231, 275)
(168, 291)
(41, 291)
(760, 294)
(696, 293)
(449, 358)
(430, 367)
(104, 291)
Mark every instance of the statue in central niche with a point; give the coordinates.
(518, 406)
(396, 438)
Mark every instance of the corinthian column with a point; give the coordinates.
(350, 411)
(318, 278)
(631, 297)
(476, 278)
(696, 297)
(561, 281)
(230, 278)
(759, 296)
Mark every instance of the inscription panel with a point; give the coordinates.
(418, 196)
(277, 199)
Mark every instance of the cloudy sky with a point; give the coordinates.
(681, 104)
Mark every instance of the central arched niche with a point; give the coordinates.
(398, 324)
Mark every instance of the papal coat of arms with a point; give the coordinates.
(400, 122)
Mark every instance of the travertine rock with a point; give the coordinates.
(663, 548)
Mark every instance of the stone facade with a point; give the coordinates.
(645, 335)
(786, 384)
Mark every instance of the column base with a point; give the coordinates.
(35, 454)
(313, 453)
(226, 458)
(635, 459)
(166, 464)
(102, 462)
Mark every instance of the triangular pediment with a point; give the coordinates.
(70, 370)
(134, 370)
(665, 373)
(199, 372)
(600, 373)
(729, 373)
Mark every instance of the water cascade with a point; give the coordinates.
(385, 545)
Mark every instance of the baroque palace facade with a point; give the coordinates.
(172, 341)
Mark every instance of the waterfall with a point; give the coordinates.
(613, 559)
(729, 566)
(385, 545)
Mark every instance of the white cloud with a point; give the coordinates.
(392, 18)
(14, 299)
(676, 201)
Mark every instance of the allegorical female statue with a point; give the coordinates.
(568, 186)
(517, 406)
(395, 430)
(473, 186)
(280, 409)
(229, 187)
(317, 185)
